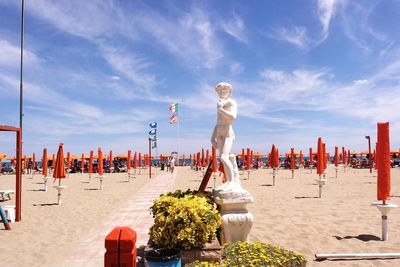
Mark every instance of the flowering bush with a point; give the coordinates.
(259, 254)
(183, 220)
(203, 264)
(254, 254)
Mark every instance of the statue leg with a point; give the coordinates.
(225, 146)
(236, 177)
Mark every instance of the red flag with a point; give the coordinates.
(173, 119)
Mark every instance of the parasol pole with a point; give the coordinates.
(320, 257)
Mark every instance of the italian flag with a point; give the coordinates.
(173, 108)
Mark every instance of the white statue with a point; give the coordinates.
(223, 136)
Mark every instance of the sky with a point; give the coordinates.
(96, 73)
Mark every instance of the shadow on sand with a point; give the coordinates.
(35, 190)
(45, 204)
(267, 185)
(304, 197)
(362, 237)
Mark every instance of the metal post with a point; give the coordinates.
(150, 157)
(18, 177)
(369, 153)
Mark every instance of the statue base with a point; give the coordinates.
(236, 219)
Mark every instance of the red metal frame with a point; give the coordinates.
(18, 175)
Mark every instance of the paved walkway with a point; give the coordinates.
(134, 213)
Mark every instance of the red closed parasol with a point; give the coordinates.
(383, 154)
(44, 162)
(90, 170)
(59, 168)
(128, 164)
(311, 158)
(344, 158)
(248, 159)
(202, 158)
(68, 160)
(34, 161)
(214, 159)
(320, 157)
(99, 161)
(336, 158)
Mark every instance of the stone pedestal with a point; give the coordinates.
(236, 219)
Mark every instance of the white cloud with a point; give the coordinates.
(296, 35)
(10, 55)
(45, 97)
(236, 68)
(235, 27)
(326, 11)
(133, 67)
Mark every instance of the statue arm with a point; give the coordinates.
(229, 114)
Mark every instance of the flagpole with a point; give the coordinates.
(177, 141)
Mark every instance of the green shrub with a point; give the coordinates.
(183, 220)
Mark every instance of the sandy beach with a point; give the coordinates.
(289, 214)
(47, 232)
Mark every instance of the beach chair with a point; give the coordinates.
(10, 213)
(6, 193)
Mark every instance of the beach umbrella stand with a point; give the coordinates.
(384, 208)
(273, 176)
(321, 182)
(45, 178)
(59, 188)
(131, 173)
(101, 181)
(384, 179)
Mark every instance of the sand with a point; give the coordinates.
(292, 216)
(47, 232)
(289, 214)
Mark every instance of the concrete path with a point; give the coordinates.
(134, 213)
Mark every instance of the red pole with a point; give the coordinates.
(150, 158)
(18, 178)
(214, 160)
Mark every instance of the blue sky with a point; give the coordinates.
(97, 72)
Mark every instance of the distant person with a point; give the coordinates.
(172, 164)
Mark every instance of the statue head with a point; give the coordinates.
(224, 90)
